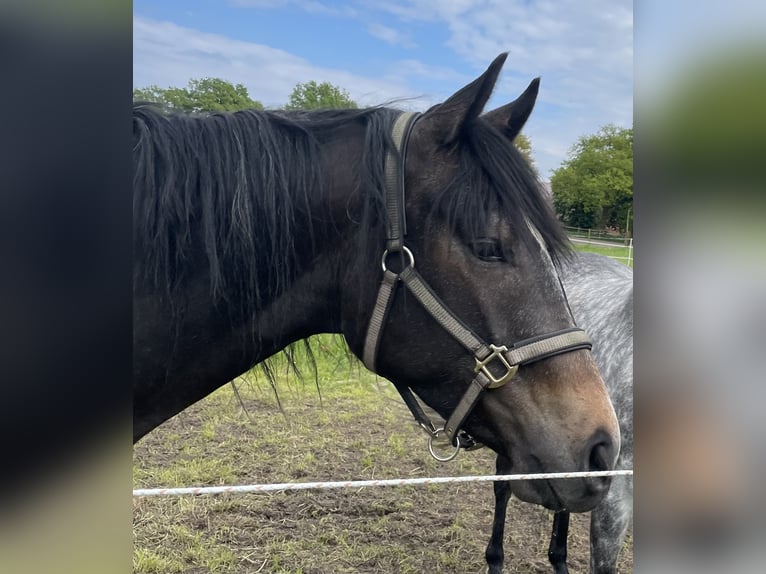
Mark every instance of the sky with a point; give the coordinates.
(417, 52)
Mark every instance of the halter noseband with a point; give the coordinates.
(495, 365)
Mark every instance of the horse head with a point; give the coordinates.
(484, 241)
(424, 239)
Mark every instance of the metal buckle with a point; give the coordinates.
(497, 353)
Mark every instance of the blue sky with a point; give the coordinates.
(421, 50)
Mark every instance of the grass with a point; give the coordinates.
(352, 426)
(347, 424)
(620, 253)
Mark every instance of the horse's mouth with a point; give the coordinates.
(573, 494)
(559, 506)
(549, 498)
(576, 494)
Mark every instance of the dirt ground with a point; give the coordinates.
(358, 431)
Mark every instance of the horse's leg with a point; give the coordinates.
(557, 551)
(494, 553)
(609, 524)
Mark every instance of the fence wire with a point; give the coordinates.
(288, 486)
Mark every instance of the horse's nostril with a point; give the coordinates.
(600, 455)
(598, 458)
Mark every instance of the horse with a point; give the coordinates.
(600, 292)
(424, 239)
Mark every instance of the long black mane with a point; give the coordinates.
(242, 186)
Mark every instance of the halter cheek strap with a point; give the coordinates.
(495, 365)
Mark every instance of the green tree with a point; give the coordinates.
(594, 187)
(201, 95)
(523, 144)
(313, 96)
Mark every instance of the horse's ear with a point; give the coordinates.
(450, 117)
(510, 118)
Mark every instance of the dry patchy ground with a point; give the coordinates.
(358, 430)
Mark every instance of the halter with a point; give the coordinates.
(495, 364)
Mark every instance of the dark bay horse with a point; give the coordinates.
(600, 292)
(424, 239)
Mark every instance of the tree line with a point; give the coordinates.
(217, 95)
(593, 188)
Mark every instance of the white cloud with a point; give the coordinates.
(166, 54)
(261, 3)
(583, 52)
(557, 38)
(311, 6)
(390, 35)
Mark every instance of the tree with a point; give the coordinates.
(201, 95)
(313, 96)
(594, 187)
(523, 144)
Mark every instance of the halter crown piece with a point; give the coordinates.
(496, 365)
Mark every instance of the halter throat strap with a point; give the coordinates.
(495, 365)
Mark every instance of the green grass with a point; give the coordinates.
(615, 252)
(359, 429)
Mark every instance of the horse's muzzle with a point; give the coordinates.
(573, 494)
(582, 495)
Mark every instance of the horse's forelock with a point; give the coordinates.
(493, 176)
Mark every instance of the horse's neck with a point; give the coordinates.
(309, 307)
(307, 300)
(182, 363)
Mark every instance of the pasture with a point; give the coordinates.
(352, 425)
(624, 255)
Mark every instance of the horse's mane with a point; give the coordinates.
(241, 185)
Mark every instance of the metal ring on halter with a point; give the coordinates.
(406, 251)
(431, 447)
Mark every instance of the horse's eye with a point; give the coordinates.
(488, 250)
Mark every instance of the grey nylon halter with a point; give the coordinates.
(495, 365)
